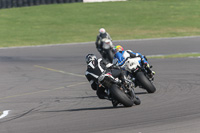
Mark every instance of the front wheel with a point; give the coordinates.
(120, 96)
(108, 55)
(146, 84)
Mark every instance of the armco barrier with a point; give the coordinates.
(22, 3)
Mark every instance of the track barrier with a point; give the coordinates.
(24, 3)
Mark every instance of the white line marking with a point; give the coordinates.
(76, 43)
(5, 113)
(152, 39)
(50, 69)
(172, 54)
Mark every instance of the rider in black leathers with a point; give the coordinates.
(95, 67)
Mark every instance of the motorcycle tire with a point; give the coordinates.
(120, 96)
(146, 84)
(110, 56)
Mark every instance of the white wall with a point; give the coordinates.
(101, 0)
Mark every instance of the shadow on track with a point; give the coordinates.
(97, 108)
(86, 109)
(140, 93)
(93, 108)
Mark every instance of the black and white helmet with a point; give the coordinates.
(89, 58)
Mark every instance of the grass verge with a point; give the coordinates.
(79, 22)
(182, 55)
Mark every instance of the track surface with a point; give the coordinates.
(46, 91)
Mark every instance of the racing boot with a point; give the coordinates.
(101, 93)
(149, 71)
(151, 74)
(115, 103)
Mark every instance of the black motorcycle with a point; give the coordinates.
(123, 94)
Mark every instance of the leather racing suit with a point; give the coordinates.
(95, 69)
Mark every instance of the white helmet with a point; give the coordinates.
(102, 31)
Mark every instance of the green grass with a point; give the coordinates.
(187, 55)
(79, 22)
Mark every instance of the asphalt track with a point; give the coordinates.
(45, 91)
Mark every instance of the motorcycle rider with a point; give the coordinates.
(102, 35)
(95, 67)
(121, 55)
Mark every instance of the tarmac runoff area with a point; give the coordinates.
(43, 89)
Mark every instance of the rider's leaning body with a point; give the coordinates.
(122, 55)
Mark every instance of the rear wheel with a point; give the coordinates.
(120, 96)
(146, 84)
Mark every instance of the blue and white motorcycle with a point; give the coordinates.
(137, 73)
